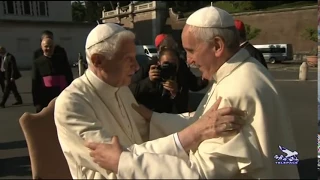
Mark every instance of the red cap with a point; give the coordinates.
(159, 39)
(239, 25)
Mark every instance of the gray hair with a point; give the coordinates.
(230, 35)
(110, 46)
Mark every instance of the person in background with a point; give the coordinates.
(1, 76)
(10, 73)
(50, 75)
(244, 43)
(165, 95)
(57, 49)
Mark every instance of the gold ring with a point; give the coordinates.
(228, 126)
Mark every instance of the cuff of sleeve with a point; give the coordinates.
(180, 151)
(177, 141)
(125, 167)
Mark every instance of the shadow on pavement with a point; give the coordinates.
(13, 145)
(17, 166)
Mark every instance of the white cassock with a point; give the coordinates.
(242, 83)
(91, 110)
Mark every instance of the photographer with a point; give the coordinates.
(163, 85)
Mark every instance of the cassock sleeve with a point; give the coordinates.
(163, 124)
(215, 158)
(76, 122)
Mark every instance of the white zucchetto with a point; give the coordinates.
(102, 32)
(210, 17)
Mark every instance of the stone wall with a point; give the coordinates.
(277, 26)
(283, 26)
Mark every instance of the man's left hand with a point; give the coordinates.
(106, 155)
(171, 86)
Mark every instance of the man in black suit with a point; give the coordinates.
(1, 76)
(247, 45)
(11, 73)
(57, 49)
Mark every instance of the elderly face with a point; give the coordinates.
(47, 46)
(122, 67)
(204, 55)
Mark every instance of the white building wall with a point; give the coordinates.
(56, 11)
(22, 39)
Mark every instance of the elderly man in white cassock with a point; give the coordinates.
(212, 43)
(98, 105)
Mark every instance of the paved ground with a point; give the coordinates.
(300, 98)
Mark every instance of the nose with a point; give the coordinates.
(136, 65)
(190, 61)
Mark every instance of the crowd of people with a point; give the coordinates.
(129, 121)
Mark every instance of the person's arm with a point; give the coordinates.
(35, 84)
(215, 158)
(75, 118)
(13, 65)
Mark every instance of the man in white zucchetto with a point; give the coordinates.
(98, 105)
(212, 43)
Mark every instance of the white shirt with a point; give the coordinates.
(2, 62)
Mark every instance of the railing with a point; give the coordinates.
(131, 8)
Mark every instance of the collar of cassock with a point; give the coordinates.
(228, 67)
(99, 85)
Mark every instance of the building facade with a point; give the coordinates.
(23, 21)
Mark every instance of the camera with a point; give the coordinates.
(167, 71)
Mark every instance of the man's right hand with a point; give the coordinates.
(154, 73)
(213, 124)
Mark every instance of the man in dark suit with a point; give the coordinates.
(244, 43)
(11, 73)
(57, 49)
(1, 76)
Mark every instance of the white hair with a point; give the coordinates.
(109, 46)
(230, 35)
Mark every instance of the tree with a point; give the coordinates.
(78, 11)
(251, 32)
(312, 35)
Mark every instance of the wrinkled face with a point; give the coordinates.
(122, 66)
(47, 46)
(206, 56)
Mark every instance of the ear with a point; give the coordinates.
(97, 60)
(219, 46)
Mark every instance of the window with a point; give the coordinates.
(26, 7)
(43, 8)
(272, 50)
(9, 7)
(153, 50)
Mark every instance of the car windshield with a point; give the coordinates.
(153, 50)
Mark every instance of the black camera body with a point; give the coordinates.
(167, 71)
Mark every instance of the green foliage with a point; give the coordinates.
(78, 11)
(251, 32)
(312, 35)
